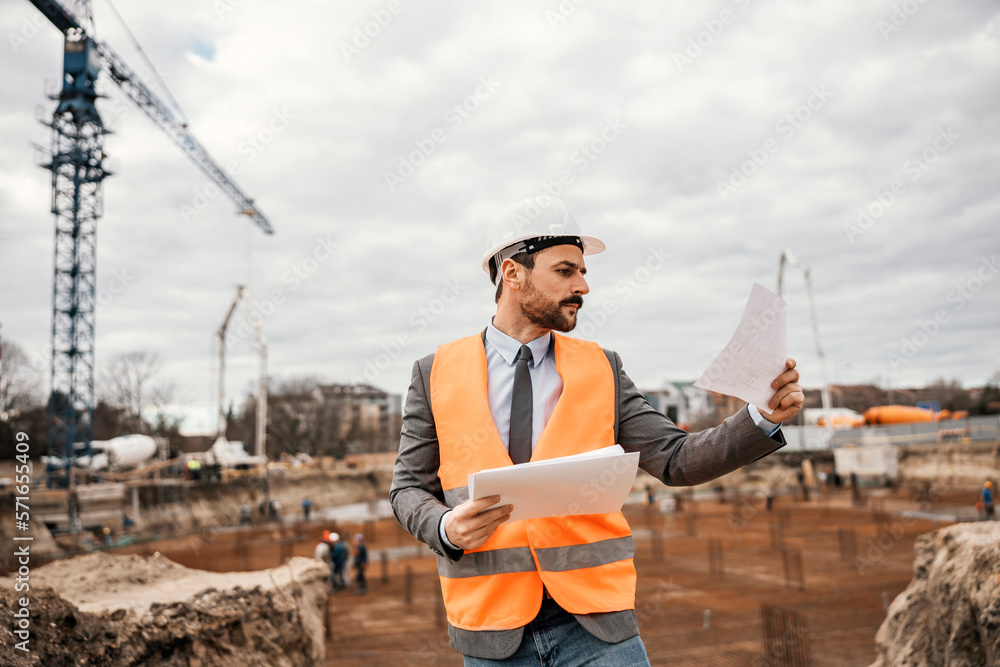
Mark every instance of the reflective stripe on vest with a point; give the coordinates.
(584, 561)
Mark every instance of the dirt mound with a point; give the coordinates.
(209, 504)
(132, 610)
(958, 465)
(42, 543)
(950, 613)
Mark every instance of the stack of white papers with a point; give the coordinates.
(755, 355)
(596, 482)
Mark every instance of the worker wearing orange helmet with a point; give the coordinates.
(553, 590)
(323, 548)
(986, 497)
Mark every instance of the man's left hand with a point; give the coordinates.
(788, 397)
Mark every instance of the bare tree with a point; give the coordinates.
(988, 399)
(948, 393)
(161, 397)
(295, 415)
(22, 403)
(126, 383)
(20, 383)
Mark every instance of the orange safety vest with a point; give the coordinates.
(585, 562)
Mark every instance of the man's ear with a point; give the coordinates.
(512, 274)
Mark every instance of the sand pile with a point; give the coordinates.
(101, 609)
(950, 613)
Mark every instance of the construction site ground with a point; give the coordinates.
(833, 563)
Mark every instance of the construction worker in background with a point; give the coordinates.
(274, 510)
(558, 590)
(360, 563)
(194, 469)
(986, 497)
(339, 555)
(322, 552)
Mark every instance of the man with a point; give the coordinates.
(557, 590)
(339, 553)
(986, 497)
(360, 563)
(322, 552)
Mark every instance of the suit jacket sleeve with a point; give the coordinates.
(416, 494)
(680, 458)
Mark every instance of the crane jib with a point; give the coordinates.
(61, 18)
(66, 21)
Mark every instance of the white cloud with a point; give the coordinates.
(657, 184)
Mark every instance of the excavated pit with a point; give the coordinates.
(108, 610)
(856, 555)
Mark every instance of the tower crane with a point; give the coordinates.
(787, 256)
(76, 162)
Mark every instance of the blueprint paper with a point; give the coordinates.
(596, 482)
(755, 355)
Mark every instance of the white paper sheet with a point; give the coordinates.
(755, 355)
(595, 482)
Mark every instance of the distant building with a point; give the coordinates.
(682, 402)
(364, 418)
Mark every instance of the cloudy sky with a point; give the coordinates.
(696, 139)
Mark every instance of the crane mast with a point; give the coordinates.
(76, 163)
(75, 159)
(787, 256)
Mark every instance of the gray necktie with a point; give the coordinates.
(519, 442)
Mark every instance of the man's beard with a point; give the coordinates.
(548, 314)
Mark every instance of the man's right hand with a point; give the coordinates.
(469, 525)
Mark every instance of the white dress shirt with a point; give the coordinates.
(546, 383)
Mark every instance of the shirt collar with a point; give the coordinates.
(509, 348)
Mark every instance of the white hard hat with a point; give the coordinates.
(532, 218)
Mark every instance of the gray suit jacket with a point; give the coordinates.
(665, 451)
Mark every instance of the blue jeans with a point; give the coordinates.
(556, 639)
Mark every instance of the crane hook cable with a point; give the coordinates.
(152, 67)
